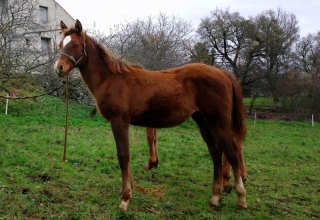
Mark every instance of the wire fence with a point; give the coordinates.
(255, 115)
(312, 118)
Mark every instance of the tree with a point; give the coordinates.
(308, 64)
(228, 36)
(20, 50)
(200, 54)
(276, 32)
(308, 52)
(256, 50)
(156, 43)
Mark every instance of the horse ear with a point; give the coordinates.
(78, 26)
(63, 26)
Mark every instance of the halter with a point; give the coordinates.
(84, 53)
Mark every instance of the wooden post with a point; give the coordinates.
(7, 103)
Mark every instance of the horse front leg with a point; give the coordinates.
(120, 132)
(153, 148)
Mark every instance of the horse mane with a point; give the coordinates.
(115, 64)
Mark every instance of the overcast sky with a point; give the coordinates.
(105, 14)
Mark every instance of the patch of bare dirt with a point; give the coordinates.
(157, 191)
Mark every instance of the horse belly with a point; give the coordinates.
(162, 118)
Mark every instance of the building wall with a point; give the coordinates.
(56, 13)
(23, 33)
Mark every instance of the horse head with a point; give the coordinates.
(72, 49)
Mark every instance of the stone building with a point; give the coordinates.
(30, 27)
(50, 15)
(29, 37)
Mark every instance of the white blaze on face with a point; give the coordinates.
(55, 65)
(66, 40)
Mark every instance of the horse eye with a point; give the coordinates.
(76, 45)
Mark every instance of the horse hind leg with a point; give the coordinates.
(216, 155)
(153, 148)
(226, 173)
(234, 158)
(243, 169)
(225, 144)
(226, 168)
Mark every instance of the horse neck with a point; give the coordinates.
(95, 70)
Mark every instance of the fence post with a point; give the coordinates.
(312, 122)
(255, 118)
(7, 102)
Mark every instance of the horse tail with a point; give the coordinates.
(239, 127)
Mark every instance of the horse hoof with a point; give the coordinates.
(214, 201)
(227, 189)
(151, 165)
(242, 205)
(244, 179)
(148, 167)
(212, 206)
(124, 206)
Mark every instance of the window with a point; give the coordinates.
(3, 6)
(43, 12)
(45, 43)
(27, 41)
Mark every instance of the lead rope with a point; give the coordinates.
(66, 125)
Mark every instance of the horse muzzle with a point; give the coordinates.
(61, 70)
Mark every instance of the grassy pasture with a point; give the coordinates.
(282, 159)
(260, 101)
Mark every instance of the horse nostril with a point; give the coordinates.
(60, 68)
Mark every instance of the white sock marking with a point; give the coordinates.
(124, 205)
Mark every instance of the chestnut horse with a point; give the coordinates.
(128, 94)
(226, 169)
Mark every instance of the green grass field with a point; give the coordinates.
(260, 101)
(282, 159)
